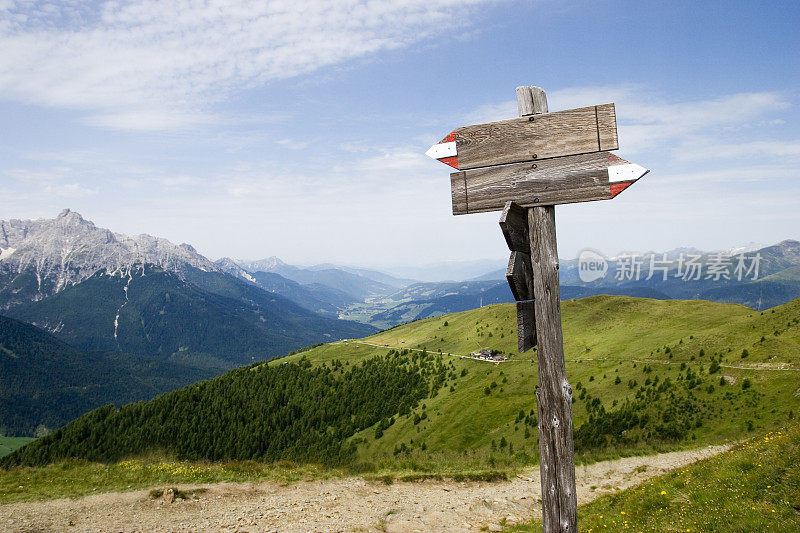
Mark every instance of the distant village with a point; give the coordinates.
(488, 355)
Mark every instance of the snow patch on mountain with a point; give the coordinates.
(125, 291)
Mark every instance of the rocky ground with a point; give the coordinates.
(333, 505)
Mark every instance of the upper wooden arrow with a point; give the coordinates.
(571, 132)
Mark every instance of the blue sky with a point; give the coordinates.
(298, 129)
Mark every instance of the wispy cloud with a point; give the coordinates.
(70, 190)
(704, 149)
(159, 64)
(292, 144)
(38, 175)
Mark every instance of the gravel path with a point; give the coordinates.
(350, 504)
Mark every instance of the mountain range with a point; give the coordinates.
(39, 258)
(103, 291)
(91, 317)
(354, 283)
(385, 301)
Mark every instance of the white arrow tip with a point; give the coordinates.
(440, 150)
(626, 172)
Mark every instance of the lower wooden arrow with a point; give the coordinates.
(560, 180)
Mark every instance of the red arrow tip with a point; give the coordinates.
(620, 186)
(445, 151)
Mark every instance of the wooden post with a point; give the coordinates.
(554, 396)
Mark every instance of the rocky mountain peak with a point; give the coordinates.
(228, 265)
(270, 262)
(69, 249)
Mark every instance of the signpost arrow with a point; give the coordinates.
(560, 180)
(571, 132)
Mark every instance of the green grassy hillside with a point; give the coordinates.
(9, 444)
(647, 375)
(754, 487)
(617, 348)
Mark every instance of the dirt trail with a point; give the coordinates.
(335, 505)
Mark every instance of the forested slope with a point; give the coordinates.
(45, 382)
(300, 412)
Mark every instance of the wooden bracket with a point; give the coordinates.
(526, 326)
(519, 276)
(514, 223)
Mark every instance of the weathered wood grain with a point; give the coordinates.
(561, 180)
(526, 326)
(514, 223)
(607, 127)
(518, 274)
(458, 191)
(531, 100)
(555, 393)
(535, 137)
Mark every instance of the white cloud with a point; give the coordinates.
(492, 112)
(355, 147)
(292, 144)
(158, 64)
(70, 190)
(702, 149)
(151, 120)
(37, 175)
(400, 162)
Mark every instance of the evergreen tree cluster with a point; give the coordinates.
(660, 411)
(284, 411)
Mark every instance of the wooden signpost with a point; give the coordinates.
(524, 167)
